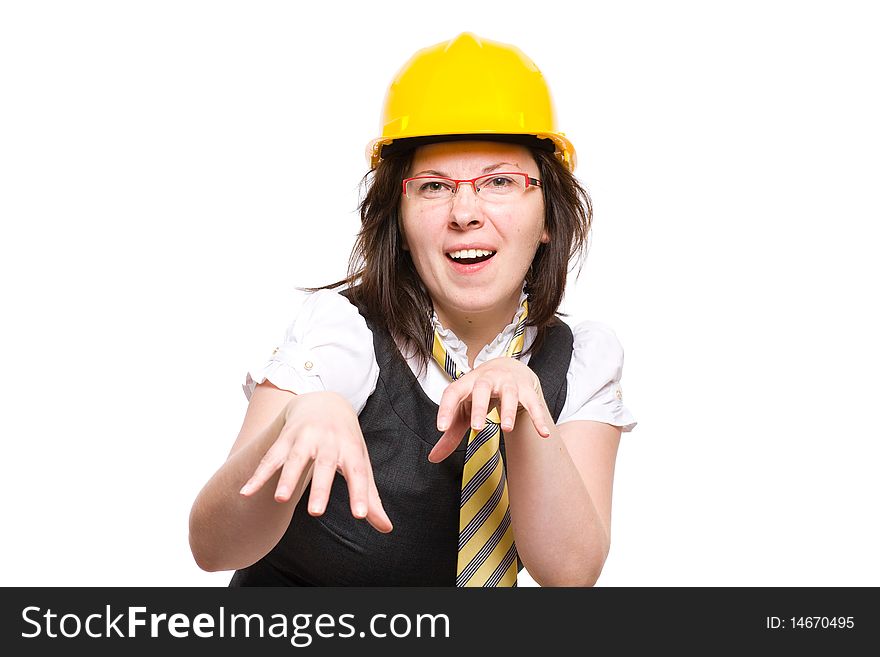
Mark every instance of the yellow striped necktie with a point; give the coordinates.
(486, 549)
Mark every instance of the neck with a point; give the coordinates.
(477, 329)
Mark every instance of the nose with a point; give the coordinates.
(465, 209)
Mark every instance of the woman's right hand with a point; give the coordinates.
(321, 428)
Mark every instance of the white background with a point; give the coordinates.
(167, 180)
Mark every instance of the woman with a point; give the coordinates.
(435, 423)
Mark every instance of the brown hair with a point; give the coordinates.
(390, 288)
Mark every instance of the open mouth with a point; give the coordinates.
(470, 256)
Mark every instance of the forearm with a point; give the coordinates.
(228, 530)
(559, 535)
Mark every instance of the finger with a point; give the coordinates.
(271, 461)
(376, 515)
(291, 473)
(480, 396)
(354, 469)
(450, 439)
(322, 482)
(538, 414)
(509, 404)
(453, 395)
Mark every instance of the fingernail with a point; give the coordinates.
(361, 509)
(508, 422)
(442, 424)
(245, 489)
(547, 432)
(314, 508)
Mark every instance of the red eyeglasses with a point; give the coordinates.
(499, 186)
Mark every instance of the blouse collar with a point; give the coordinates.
(458, 349)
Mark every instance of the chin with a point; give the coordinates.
(479, 299)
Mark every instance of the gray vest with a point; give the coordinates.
(399, 424)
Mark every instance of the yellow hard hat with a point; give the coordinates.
(465, 87)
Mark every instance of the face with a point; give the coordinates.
(511, 229)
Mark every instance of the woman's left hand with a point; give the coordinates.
(504, 383)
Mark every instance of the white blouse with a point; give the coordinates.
(329, 347)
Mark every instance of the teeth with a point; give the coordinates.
(470, 253)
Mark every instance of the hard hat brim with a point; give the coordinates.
(399, 145)
(552, 143)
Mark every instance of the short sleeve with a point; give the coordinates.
(594, 390)
(328, 346)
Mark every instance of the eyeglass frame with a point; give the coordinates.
(473, 181)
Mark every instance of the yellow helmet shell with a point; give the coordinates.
(469, 86)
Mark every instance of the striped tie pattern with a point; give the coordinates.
(486, 549)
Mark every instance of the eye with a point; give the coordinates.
(500, 184)
(434, 187)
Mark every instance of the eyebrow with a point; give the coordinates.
(491, 167)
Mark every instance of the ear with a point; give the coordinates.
(545, 237)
